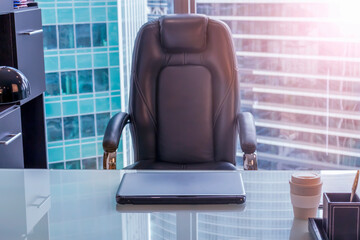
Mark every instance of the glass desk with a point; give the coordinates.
(73, 204)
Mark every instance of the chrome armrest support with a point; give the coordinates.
(250, 161)
(109, 160)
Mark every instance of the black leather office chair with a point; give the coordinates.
(184, 108)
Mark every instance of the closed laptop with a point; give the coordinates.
(181, 187)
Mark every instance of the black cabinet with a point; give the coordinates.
(21, 47)
(11, 138)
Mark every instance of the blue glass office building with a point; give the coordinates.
(88, 48)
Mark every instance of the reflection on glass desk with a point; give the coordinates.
(73, 204)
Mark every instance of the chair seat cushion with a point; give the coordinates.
(147, 164)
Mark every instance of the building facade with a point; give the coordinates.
(88, 48)
(299, 75)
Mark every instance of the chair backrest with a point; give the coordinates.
(184, 91)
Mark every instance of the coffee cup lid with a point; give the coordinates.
(306, 178)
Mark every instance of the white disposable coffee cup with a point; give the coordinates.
(305, 193)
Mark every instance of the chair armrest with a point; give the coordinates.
(247, 133)
(113, 131)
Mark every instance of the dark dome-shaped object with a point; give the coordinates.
(14, 86)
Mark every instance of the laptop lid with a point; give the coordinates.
(181, 187)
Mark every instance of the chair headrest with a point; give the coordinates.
(183, 32)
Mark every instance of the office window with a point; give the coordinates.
(68, 82)
(73, 164)
(53, 109)
(69, 108)
(87, 126)
(113, 36)
(89, 163)
(99, 34)
(54, 129)
(85, 81)
(50, 39)
(82, 14)
(100, 163)
(71, 128)
(56, 165)
(64, 15)
(157, 8)
(98, 14)
(102, 120)
(101, 77)
(72, 150)
(298, 70)
(66, 36)
(83, 38)
(86, 106)
(52, 84)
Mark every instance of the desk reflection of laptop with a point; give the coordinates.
(181, 187)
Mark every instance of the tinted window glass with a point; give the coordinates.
(87, 126)
(99, 34)
(50, 39)
(102, 120)
(52, 84)
(83, 35)
(71, 128)
(66, 36)
(54, 129)
(101, 80)
(68, 82)
(89, 163)
(85, 81)
(73, 164)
